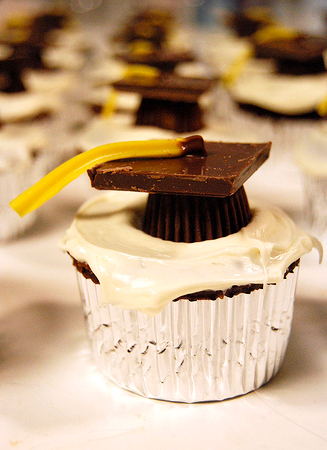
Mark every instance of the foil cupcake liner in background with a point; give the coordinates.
(192, 351)
(315, 204)
(13, 183)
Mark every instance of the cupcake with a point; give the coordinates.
(311, 157)
(187, 291)
(17, 103)
(23, 161)
(280, 107)
(298, 54)
(283, 102)
(147, 29)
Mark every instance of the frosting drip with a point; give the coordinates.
(141, 272)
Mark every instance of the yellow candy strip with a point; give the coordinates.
(56, 180)
(259, 13)
(322, 108)
(141, 70)
(141, 47)
(237, 66)
(274, 32)
(133, 70)
(110, 105)
(19, 21)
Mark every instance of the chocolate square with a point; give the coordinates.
(220, 173)
(166, 87)
(163, 59)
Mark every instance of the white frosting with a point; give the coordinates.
(223, 50)
(137, 271)
(283, 94)
(17, 144)
(48, 81)
(123, 101)
(311, 154)
(63, 57)
(117, 128)
(26, 105)
(72, 38)
(194, 69)
(105, 70)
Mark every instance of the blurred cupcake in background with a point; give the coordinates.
(23, 161)
(311, 157)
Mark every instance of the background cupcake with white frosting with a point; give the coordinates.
(23, 161)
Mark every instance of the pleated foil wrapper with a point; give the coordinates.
(13, 183)
(315, 204)
(192, 351)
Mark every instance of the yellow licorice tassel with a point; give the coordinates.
(274, 33)
(133, 70)
(56, 180)
(237, 66)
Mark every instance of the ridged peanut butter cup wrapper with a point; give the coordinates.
(192, 351)
(195, 218)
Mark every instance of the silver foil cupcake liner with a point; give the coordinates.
(192, 351)
(315, 204)
(12, 184)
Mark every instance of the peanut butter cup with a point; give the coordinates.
(10, 74)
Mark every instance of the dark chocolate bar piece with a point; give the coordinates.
(164, 60)
(298, 56)
(245, 24)
(168, 86)
(220, 173)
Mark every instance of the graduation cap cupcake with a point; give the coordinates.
(187, 291)
(297, 54)
(169, 101)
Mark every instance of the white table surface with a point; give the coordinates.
(52, 397)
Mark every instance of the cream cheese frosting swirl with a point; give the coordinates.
(282, 94)
(144, 273)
